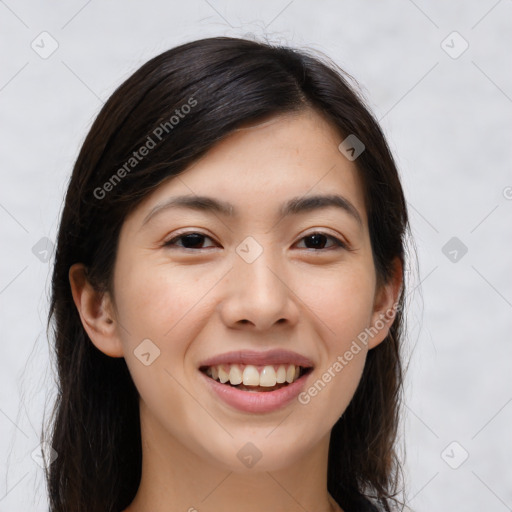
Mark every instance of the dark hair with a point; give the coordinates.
(226, 83)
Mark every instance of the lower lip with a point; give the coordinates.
(257, 402)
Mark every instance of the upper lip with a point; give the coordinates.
(258, 358)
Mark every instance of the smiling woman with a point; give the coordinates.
(228, 316)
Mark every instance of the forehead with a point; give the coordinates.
(264, 164)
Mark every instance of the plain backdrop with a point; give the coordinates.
(437, 76)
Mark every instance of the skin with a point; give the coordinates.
(197, 303)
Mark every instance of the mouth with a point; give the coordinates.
(256, 382)
(256, 378)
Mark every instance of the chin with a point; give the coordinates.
(250, 454)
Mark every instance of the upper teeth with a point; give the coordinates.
(250, 376)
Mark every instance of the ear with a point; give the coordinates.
(96, 312)
(385, 306)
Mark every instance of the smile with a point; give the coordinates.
(256, 382)
(256, 378)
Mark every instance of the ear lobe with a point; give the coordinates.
(385, 306)
(96, 312)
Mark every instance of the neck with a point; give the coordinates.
(174, 478)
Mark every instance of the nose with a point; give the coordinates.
(259, 295)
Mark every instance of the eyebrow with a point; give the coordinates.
(294, 206)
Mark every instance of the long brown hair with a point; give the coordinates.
(226, 82)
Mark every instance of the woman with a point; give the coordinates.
(227, 292)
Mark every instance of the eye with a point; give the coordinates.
(318, 239)
(191, 240)
(195, 240)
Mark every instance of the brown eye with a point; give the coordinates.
(192, 240)
(318, 241)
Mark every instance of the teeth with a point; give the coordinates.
(223, 375)
(248, 375)
(268, 377)
(251, 376)
(235, 374)
(281, 374)
(290, 374)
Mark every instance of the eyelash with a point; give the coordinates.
(337, 242)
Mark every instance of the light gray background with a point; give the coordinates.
(448, 122)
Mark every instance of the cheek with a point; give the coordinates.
(153, 300)
(168, 305)
(342, 299)
(160, 303)
(343, 303)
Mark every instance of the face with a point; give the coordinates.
(248, 289)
